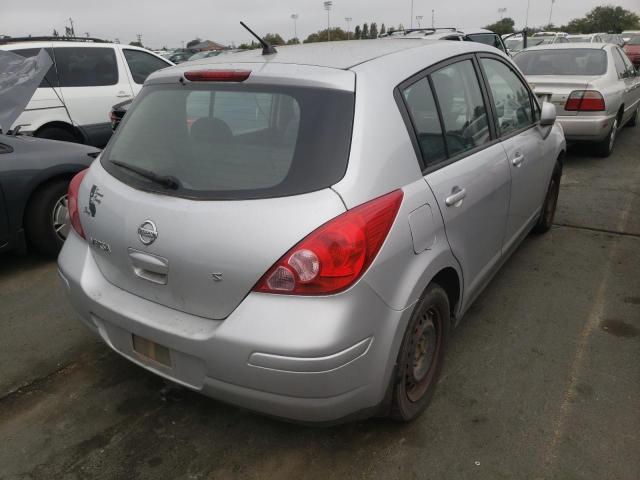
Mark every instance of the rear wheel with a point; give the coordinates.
(57, 133)
(47, 218)
(421, 354)
(550, 202)
(605, 147)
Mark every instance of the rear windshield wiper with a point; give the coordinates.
(166, 181)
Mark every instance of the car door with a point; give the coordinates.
(140, 65)
(464, 166)
(92, 80)
(631, 95)
(516, 114)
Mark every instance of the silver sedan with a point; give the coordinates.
(595, 88)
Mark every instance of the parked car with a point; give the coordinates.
(632, 49)
(34, 178)
(304, 247)
(87, 78)
(204, 54)
(614, 38)
(480, 35)
(594, 87)
(181, 56)
(587, 38)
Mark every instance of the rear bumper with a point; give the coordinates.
(302, 358)
(586, 128)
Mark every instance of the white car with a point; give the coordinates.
(586, 38)
(87, 78)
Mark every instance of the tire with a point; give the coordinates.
(633, 121)
(605, 147)
(57, 133)
(46, 219)
(421, 354)
(550, 202)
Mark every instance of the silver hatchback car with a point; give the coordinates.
(297, 233)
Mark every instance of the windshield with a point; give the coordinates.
(228, 141)
(634, 41)
(572, 61)
(578, 39)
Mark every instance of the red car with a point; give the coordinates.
(632, 49)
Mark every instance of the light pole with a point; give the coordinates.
(501, 11)
(294, 17)
(433, 19)
(411, 14)
(348, 20)
(551, 11)
(526, 21)
(419, 19)
(327, 7)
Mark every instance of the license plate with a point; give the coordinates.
(152, 351)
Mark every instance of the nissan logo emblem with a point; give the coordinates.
(147, 232)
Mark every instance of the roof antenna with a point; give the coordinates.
(266, 48)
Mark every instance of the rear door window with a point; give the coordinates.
(462, 108)
(86, 66)
(235, 142)
(50, 79)
(142, 64)
(511, 99)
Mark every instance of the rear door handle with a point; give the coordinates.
(456, 197)
(517, 160)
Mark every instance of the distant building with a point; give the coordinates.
(208, 45)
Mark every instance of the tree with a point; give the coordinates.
(293, 41)
(321, 36)
(365, 31)
(136, 44)
(604, 19)
(357, 33)
(383, 29)
(274, 39)
(249, 46)
(502, 26)
(193, 42)
(373, 32)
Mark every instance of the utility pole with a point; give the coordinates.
(501, 11)
(139, 36)
(419, 19)
(411, 14)
(433, 18)
(327, 6)
(551, 11)
(526, 21)
(348, 20)
(294, 17)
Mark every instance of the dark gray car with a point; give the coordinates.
(34, 177)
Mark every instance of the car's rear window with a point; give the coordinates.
(572, 61)
(229, 141)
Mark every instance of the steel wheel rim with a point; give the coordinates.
(423, 354)
(614, 131)
(60, 218)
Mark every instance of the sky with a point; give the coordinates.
(168, 23)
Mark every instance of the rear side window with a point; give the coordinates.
(50, 79)
(235, 141)
(424, 116)
(511, 98)
(574, 61)
(86, 66)
(464, 116)
(619, 64)
(142, 64)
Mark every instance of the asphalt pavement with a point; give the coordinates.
(541, 379)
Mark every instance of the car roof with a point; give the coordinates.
(567, 46)
(340, 55)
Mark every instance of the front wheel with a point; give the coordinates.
(421, 354)
(550, 202)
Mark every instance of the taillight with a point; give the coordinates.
(335, 255)
(72, 202)
(585, 101)
(217, 75)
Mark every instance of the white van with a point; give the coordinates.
(87, 78)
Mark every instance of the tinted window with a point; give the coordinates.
(462, 108)
(142, 64)
(510, 97)
(86, 66)
(50, 79)
(424, 116)
(235, 141)
(573, 61)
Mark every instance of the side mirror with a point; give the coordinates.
(548, 114)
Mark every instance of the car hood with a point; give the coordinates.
(19, 79)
